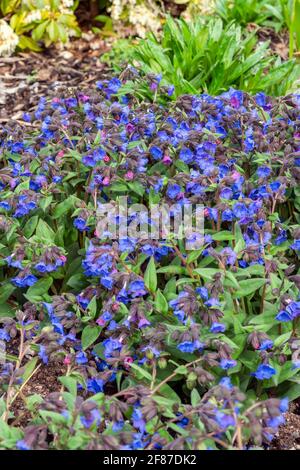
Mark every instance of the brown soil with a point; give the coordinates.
(279, 42)
(26, 77)
(45, 381)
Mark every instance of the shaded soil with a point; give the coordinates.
(288, 436)
(279, 42)
(26, 77)
(43, 382)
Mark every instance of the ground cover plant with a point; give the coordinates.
(159, 346)
(208, 56)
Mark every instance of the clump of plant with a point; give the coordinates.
(210, 57)
(277, 14)
(119, 55)
(162, 345)
(37, 21)
(260, 12)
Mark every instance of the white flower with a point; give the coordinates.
(143, 15)
(34, 15)
(8, 39)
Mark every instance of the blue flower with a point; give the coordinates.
(217, 328)
(90, 418)
(95, 385)
(138, 420)
(227, 363)
(43, 355)
(296, 245)
(266, 344)
(81, 358)
(283, 316)
(226, 382)
(212, 303)
(137, 288)
(127, 244)
(186, 155)
(284, 405)
(263, 171)
(22, 445)
(226, 193)
(156, 152)
(118, 426)
(190, 347)
(203, 292)
(224, 420)
(80, 224)
(25, 281)
(173, 191)
(264, 372)
(5, 205)
(275, 421)
(4, 335)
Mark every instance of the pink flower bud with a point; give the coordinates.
(235, 175)
(100, 321)
(106, 181)
(67, 360)
(127, 361)
(167, 160)
(129, 175)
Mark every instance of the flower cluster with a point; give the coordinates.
(154, 337)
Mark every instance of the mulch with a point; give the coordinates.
(28, 76)
(288, 436)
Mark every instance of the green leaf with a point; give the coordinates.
(64, 207)
(206, 273)
(70, 383)
(293, 392)
(150, 276)
(161, 303)
(29, 368)
(195, 397)
(232, 280)
(44, 231)
(249, 286)
(5, 292)
(92, 307)
(89, 335)
(182, 370)
(35, 293)
(225, 235)
(141, 371)
(30, 226)
(6, 310)
(172, 269)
